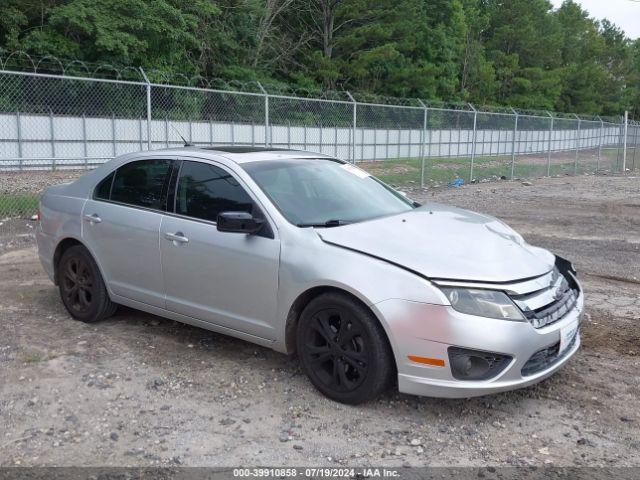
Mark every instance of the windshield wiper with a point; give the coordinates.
(327, 224)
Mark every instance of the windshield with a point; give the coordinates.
(324, 193)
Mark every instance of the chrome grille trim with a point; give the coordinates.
(547, 306)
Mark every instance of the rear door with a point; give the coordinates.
(121, 225)
(229, 279)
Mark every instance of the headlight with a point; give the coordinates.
(485, 303)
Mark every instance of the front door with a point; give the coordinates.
(229, 279)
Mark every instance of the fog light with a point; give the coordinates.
(469, 364)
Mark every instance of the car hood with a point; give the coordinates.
(443, 242)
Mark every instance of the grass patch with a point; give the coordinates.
(18, 205)
(443, 170)
(33, 357)
(438, 170)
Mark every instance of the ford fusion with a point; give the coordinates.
(309, 255)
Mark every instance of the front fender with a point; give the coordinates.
(313, 264)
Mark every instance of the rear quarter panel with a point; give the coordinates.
(60, 218)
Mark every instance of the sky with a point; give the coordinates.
(624, 13)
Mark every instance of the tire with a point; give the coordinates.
(344, 350)
(82, 288)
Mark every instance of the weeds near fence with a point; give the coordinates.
(18, 205)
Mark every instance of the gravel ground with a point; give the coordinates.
(33, 182)
(138, 390)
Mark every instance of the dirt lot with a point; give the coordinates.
(140, 390)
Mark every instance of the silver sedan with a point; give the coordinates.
(308, 255)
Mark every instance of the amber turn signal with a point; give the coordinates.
(436, 362)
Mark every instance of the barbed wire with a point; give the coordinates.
(50, 64)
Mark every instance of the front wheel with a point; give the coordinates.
(343, 349)
(82, 289)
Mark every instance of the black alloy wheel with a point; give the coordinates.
(335, 346)
(77, 285)
(82, 288)
(344, 349)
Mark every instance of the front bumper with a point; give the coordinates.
(427, 330)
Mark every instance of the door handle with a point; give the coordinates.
(94, 218)
(177, 237)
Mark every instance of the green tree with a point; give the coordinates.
(153, 33)
(477, 74)
(522, 42)
(581, 50)
(634, 81)
(618, 59)
(405, 47)
(519, 53)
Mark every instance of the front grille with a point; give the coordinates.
(547, 306)
(554, 311)
(547, 357)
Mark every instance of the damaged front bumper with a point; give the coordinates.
(519, 354)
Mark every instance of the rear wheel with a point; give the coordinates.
(82, 288)
(343, 349)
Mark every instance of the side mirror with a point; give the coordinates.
(239, 222)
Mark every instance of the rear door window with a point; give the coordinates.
(142, 183)
(103, 190)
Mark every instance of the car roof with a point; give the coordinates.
(242, 154)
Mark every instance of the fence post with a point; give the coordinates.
(113, 133)
(473, 141)
(635, 144)
(575, 163)
(375, 144)
(144, 76)
(355, 123)
(624, 145)
(19, 135)
(267, 140)
(53, 141)
(423, 146)
(513, 144)
(140, 132)
(600, 140)
(304, 136)
(549, 149)
(84, 142)
(619, 141)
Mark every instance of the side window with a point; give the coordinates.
(142, 183)
(205, 190)
(103, 190)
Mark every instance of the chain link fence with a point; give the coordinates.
(54, 127)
